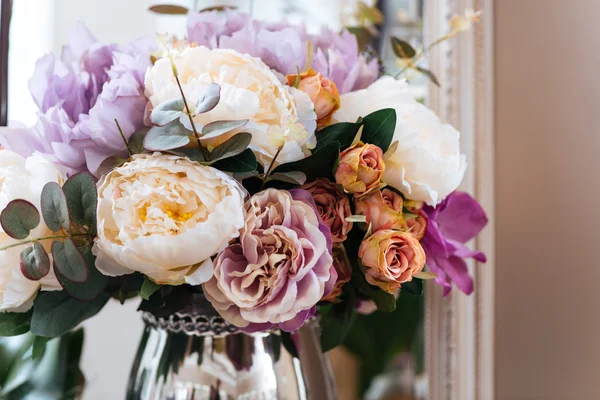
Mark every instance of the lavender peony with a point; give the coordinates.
(280, 267)
(284, 47)
(79, 96)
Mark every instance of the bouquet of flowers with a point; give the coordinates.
(276, 172)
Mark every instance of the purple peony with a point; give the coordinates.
(280, 267)
(454, 222)
(284, 47)
(79, 96)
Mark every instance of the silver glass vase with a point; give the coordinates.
(197, 356)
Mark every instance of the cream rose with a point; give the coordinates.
(22, 178)
(427, 164)
(279, 115)
(165, 216)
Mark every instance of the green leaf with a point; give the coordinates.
(81, 194)
(168, 137)
(218, 128)
(13, 324)
(109, 164)
(343, 132)
(69, 261)
(231, 147)
(243, 162)
(364, 37)
(293, 177)
(193, 154)
(168, 9)
(379, 128)
(167, 111)
(209, 99)
(136, 141)
(402, 49)
(19, 218)
(337, 322)
(288, 343)
(35, 263)
(385, 301)
(55, 313)
(316, 165)
(54, 207)
(414, 287)
(91, 288)
(39, 347)
(429, 75)
(148, 288)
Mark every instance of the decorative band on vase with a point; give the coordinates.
(191, 324)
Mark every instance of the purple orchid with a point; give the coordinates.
(454, 222)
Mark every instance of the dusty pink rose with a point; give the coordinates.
(333, 206)
(391, 258)
(383, 210)
(322, 92)
(360, 169)
(416, 222)
(344, 272)
(280, 267)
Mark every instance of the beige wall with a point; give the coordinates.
(547, 188)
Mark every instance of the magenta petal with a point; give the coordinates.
(298, 321)
(457, 270)
(461, 218)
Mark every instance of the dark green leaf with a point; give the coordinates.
(167, 111)
(379, 128)
(148, 288)
(35, 263)
(288, 343)
(13, 324)
(385, 301)
(54, 207)
(402, 49)
(168, 137)
(69, 261)
(19, 218)
(337, 322)
(109, 164)
(429, 74)
(231, 147)
(39, 347)
(243, 162)
(168, 9)
(343, 132)
(136, 141)
(218, 128)
(364, 36)
(414, 287)
(91, 288)
(55, 313)
(80, 190)
(209, 99)
(293, 177)
(316, 165)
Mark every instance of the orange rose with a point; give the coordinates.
(323, 93)
(360, 169)
(344, 271)
(417, 222)
(383, 210)
(391, 258)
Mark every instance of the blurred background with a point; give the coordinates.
(546, 146)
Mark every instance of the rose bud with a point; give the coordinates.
(344, 273)
(333, 206)
(416, 222)
(322, 92)
(360, 168)
(391, 258)
(383, 209)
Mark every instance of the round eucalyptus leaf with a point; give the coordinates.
(169, 137)
(81, 194)
(19, 218)
(69, 261)
(35, 263)
(209, 99)
(54, 207)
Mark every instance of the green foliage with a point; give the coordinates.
(39, 347)
(218, 128)
(12, 324)
(379, 128)
(209, 99)
(148, 288)
(320, 163)
(343, 133)
(167, 111)
(231, 147)
(402, 49)
(91, 288)
(168, 137)
(414, 287)
(109, 164)
(81, 194)
(429, 75)
(69, 262)
(35, 263)
(288, 343)
(54, 207)
(19, 218)
(293, 177)
(337, 320)
(243, 162)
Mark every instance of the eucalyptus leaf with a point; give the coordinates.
(35, 263)
(69, 261)
(91, 288)
(208, 100)
(148, 288)
(343, 132)
(168, 137)
(414, 287)
(54, 207)
(19, 218)
(193, 154)
(109, 164)
(81, 194)
(136, 141)
(379, 128)
(218, 128)
(168, 9)
(167, 111)
(231, 147)
(13, 324)
(243, 162)
(429, 75)
(293, 177)
(402, 49)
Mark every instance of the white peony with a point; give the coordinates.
(165, 216)
(278, 115)
(427, 164)
(22, 178)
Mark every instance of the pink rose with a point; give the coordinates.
(360, 169)
(333, 206)
(416, 222)
(344, 272)
(391, 258)
(280, 267)
(322, 92)
(383, 210)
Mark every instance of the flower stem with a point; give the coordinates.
(66, 236)
(266, 175)
(413, 61)
(123, 136)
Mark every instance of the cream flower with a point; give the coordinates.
(165, 216)
(22, 178)
(427, 164)
(279, 115)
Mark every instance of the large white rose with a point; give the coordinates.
(427, 165)
(279, 115)
(165, 216)
(22, 178)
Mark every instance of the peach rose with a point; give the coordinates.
(344, 272)
(417, 222)
(333, 206)
(391, 258)
(322, 92)
(383, 209)
(360, 169)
